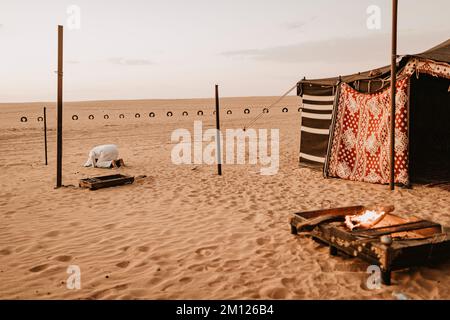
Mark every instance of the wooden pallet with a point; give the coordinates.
(105, 181)
(414, 242)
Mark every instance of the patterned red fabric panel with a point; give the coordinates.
(360, 147)
(434, 68)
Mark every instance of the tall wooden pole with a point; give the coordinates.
(393, 90)
(59, 109)
(45, 135)
(219, 152)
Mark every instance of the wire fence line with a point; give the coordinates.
(95, 115)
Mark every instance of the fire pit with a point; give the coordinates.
(376, 236)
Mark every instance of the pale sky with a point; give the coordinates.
(149, 49)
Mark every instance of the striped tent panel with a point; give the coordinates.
(315, 130)
(316, 119)
(318, 116)
(329, 99)
(317, 107)
(312, 158)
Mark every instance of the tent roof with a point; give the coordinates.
(440, 52)
(366, 75)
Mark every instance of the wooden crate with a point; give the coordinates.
(414, 242)
(105, 181)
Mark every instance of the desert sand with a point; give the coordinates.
(181, 232)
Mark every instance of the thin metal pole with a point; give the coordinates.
(393, 90)
(45, 135)
(219, 153)
(59, 109)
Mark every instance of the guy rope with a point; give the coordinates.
(266, 110)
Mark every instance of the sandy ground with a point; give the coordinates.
(182, 232)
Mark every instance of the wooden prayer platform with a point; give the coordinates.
(105, 181)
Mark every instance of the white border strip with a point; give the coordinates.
(318, 98)
(312, 158)
(317, 107)
(319, 116)
(316, 131)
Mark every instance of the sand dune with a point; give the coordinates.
(181, 232)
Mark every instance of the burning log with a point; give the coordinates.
(367, 219)
(310, 224)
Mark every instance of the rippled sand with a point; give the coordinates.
(181, 232)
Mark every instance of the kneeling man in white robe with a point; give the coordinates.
(104, 156)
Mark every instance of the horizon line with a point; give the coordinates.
(150, 99)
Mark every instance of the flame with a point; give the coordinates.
(369, 216)
(365, 220)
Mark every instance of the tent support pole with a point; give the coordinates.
(219, 155)
(45, 135)
(59, 109)
(393, 89)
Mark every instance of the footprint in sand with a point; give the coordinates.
(262, 241)
(154, 281)
(98, 294)
(197, 267)
(185, 280)
(206, 251)
(52, 234)
(63, 258)
(288, 282)
(75, 224)
(39, 268)
(167, 287)
(232, 264)
(123, 264)
(5, 252)
(142, 264)
(120, 287)
(274, 293)
(143, 248)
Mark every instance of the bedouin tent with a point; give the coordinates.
(345, 121)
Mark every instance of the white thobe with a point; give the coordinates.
(102, 156)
